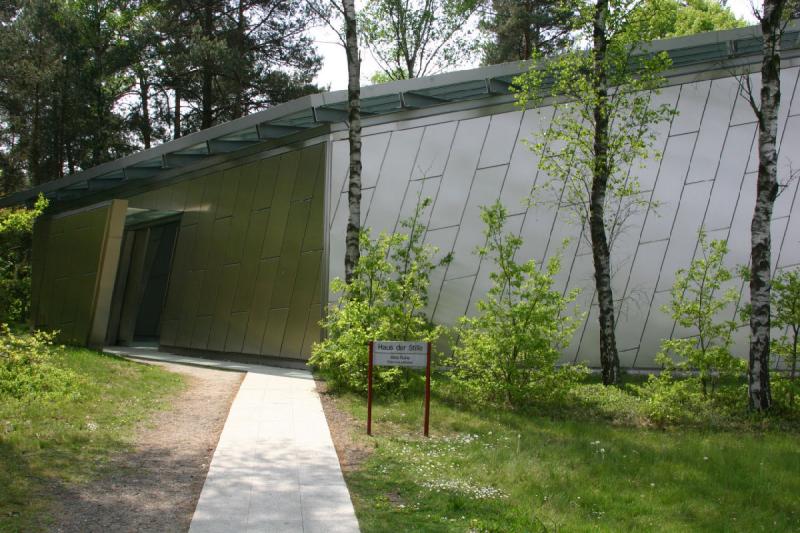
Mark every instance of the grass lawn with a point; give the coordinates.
(68, 440)
(492, 470)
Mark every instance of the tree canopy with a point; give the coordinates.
(84, 82)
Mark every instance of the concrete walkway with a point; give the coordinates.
(275, 468)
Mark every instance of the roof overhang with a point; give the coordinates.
(283, 123)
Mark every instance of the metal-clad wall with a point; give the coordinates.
(75, 259)
(246, 269)
(468, 159)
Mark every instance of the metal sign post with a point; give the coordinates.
(400, 354)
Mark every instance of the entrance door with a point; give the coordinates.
(141, 286)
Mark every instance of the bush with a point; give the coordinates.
(698, 299)
(385, 300)
(786, 314)
(27, 370)
(508, 351)
(784, 393)
(16, 234)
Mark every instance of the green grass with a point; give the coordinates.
(70, 439)
(493, 470)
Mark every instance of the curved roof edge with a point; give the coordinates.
(283, 123)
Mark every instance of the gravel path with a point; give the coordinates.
(156, 486)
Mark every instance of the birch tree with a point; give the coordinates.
(772, 18)
(602, 125)
(333, 12)
(354, 116)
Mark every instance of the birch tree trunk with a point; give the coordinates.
(760, 397)
(601, 255)
(352, 252)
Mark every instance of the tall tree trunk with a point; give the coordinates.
(207, 90)
(760, 397)
(352, 252)
(238, 103)
(176, 127)
(144, 96)
(609, 358)
(34, 152)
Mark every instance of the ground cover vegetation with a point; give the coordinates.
(63, 412)
(489, 469)
(521, 444)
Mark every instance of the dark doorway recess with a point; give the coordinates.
(142, 281)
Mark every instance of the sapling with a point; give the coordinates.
(786, 314)
(699, 297)
(508, 351)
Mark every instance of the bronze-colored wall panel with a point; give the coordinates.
(75, 259)
(265, 188)
(307, 274)
(314, 231)
(279, 211)
(238, 283)
(290, 254)
(313, 330)
(306, 176)
(202, 326)
(227, 193)
(236, 331)
(189, 306)
(273, 336)
(259, 311)
(222, 311)
(211, 281)
(194, 201)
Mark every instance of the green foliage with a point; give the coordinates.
(698, 298)
(567, 149)
(386, 300)
(85, 82)
(26, 368)
(414, 38)
(674, 18)
(509, 350)
(667, 401)
(784, 393)
(786, 316)
(16, 234)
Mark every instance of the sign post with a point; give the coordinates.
(369, 391)
(404, 354)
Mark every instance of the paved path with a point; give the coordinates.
(275, 468)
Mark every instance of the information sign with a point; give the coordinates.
(400, 353)
(406, 354)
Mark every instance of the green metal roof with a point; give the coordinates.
(279, 123)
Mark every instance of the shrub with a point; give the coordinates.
(16, 233)
(784, 391)
(508, 351)
(786, 314)
(27, 370)
(698, 299)
(386, 300)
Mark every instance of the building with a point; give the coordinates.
(225, 240)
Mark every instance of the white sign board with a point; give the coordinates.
(400, 353)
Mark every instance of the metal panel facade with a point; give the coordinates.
(75, 258)
(705, 178)
(247, 256)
